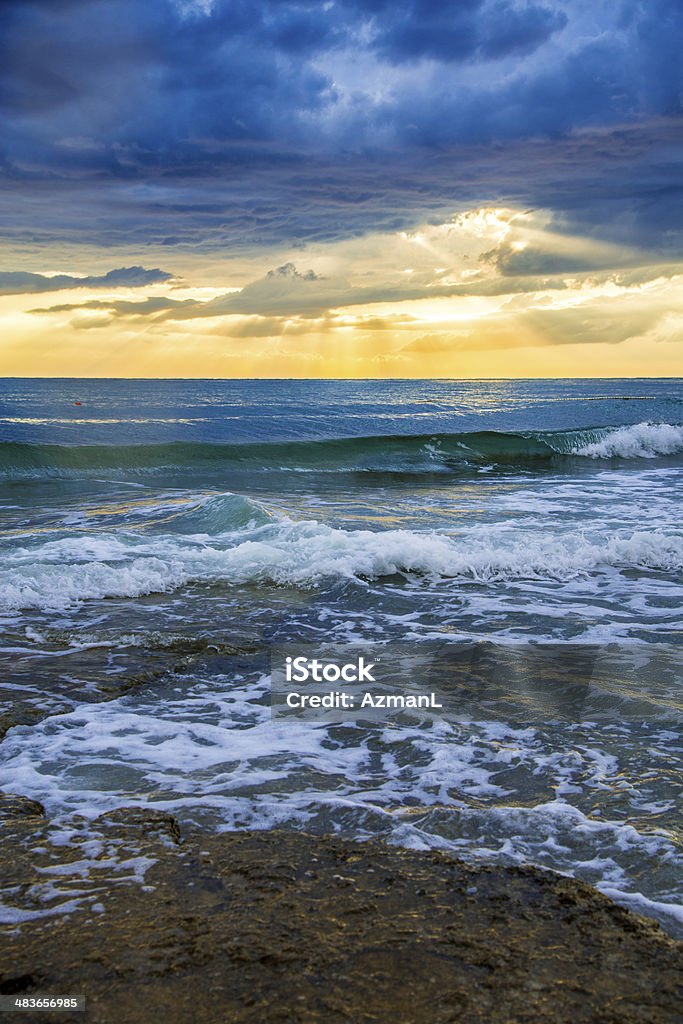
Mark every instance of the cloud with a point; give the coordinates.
(466, 31)
(513, 262)
(470, 264)
(293, 294)
(15, 282)
(284, 298)
(288, 293)
(607, 323)
(281, 292)
(146, 307)
(236, 124)
(122, 86)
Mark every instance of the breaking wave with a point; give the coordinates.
(399, 454)
(640, 441)
(59, 573)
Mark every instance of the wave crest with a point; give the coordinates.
(640, 441)
(303, 554)
(406, 454)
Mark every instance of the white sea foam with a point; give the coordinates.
(564, 798)
(642, 905)
(59, 573)
(639, 441)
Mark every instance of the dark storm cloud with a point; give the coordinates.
(15, 282)
(245, 123)
(467, 30)
(619, 184)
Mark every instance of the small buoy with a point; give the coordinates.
(78, 403)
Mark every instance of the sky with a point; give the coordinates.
(347, 188)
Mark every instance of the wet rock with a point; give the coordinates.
(20, 716)
(257, 927)
(64, 669)
(13, 806)
(138, 821)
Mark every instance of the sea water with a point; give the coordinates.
(159, 537)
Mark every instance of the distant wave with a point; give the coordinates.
(59, 573)
(408, 454)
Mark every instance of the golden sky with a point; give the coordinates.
(481, 293)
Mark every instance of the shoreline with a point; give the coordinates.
(286, 926)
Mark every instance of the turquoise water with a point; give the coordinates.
(160, 536)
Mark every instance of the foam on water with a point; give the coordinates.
(577, 798)
(170, 526)
(57, 573)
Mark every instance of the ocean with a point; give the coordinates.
(158, 538)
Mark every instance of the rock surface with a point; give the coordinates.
(284, 927)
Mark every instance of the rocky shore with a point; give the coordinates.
(285, 927)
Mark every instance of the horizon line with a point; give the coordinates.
(323, 380)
